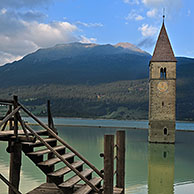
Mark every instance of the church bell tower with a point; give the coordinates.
(162, 91)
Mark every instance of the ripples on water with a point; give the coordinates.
(151, 169)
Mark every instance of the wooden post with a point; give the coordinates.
(120, 166)
(50, 118)
(10, 121)
(15, 104)
(108, 163)
(15, 165)
(51, 126)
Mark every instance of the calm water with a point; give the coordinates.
(150, 168)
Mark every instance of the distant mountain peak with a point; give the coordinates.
(127, 45)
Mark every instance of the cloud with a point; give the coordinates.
(19, 37)
(152, 13)
(146, 43)
(171, 6)
(7, 57)
(32, 15)
(89, 24)
(131, 1)
(87, 40)
(23, 3)
(23, 29)
(133, 15)
(147, 30)
(188, 12)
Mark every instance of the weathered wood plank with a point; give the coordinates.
(75, 179)
(108, 163)
(5, 135)
(47, 188)
(53, 161)
(39, 143)
(85, 189)
(66, 169)
(120, 166)
(45, 151)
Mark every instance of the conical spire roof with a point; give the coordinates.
(163, 50)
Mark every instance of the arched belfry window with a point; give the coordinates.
(165, 73)
(161, 73)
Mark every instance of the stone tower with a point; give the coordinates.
(162, 91)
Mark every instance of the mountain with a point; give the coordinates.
(91, 80)
(77, 63)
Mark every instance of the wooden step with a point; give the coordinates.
(43, 132)
(39, 143)
(46, 151)
(117, 190)
(75, 179)
(66, 169)
(85, 189)
(55, 160)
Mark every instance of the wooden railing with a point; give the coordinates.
(109, 146)
(26, 128)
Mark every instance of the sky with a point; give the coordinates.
(27, 25)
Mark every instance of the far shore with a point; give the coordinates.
(108, 127)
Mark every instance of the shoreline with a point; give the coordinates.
(108, 127)
(83, 118)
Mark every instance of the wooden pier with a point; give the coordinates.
(46, 149)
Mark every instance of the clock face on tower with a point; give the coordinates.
(162, 86)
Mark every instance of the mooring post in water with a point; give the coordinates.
(15, 154)
(120, 166)
(108, 163)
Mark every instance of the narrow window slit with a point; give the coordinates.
(165, 131)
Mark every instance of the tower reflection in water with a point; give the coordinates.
(160, 168)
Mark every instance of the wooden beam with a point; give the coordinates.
(23, 139)
(120, 166)
(108, 163)
(15, 105)
(6, 101)
(23, 126)
(4, 126)
(9, 115)
(10, 120)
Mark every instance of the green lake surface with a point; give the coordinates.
(150, 168)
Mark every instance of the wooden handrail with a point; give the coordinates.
(50, 131)
(23, 126)
(9, 115)
(62, 159)
(9, 184)
(2, 101)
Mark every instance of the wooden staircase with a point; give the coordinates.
(62, 164)
(44, 158)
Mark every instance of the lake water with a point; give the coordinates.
(150, 168)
